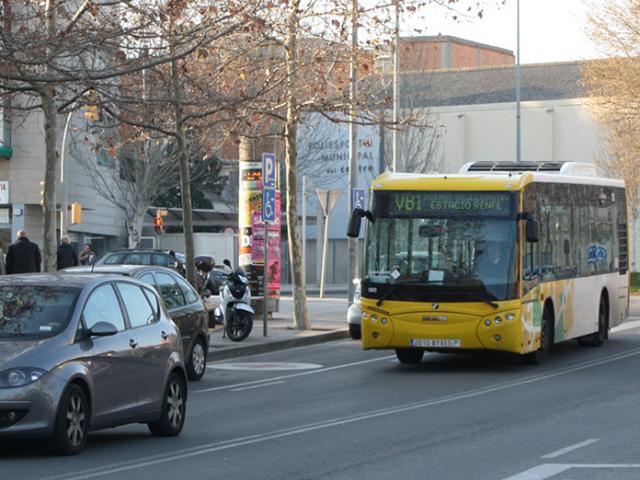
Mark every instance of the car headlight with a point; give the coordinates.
(19, 377)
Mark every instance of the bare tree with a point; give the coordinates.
(53, 52)
(614, 86)
(131, 173)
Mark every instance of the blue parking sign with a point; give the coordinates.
(269, 170)
(268, 204)
(358, 198)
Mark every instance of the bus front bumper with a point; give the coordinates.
(499, 330)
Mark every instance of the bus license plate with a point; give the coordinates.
(436, 342)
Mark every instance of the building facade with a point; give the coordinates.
(103, 225)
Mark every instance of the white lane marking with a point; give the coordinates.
(626, 326)
(570, 448)
(284, 377)
(548, 470)
(541, 472)
(265, 366)
(297, 430)
(257, 386)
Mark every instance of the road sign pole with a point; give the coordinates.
(265, 278)
(268, 215)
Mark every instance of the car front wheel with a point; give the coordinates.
(72, 422)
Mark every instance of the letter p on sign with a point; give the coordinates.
(269, 170)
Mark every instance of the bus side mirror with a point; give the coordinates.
(353, 229)
(532, 230)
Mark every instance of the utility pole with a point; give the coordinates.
(353, 146)
(396, 87)
(518, 82)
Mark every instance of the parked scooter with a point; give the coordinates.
(235, 305)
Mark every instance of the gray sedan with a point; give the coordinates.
(86, 352)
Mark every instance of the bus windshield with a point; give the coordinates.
(440, 244)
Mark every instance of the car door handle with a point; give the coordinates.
(164, 335)
(133, 343)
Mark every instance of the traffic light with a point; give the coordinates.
(76, 213)
(158, 224)
(42, 193)
(92, 109)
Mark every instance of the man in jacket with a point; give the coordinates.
(23, 255)
(2, 270)
(66, 255)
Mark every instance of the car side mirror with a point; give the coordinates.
(532, 230)
(172, 265)
(227, 263)
(103, 329)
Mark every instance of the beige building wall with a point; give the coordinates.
(558, 130)
(102, 221)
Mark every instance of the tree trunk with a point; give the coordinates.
(47, 96)
(185, 188)
(51, 168)
(300, 319)
(135, 223)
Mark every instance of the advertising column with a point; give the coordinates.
(251, 229)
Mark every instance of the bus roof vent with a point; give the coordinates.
(562, 168)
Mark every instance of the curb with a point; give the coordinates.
(242, 351)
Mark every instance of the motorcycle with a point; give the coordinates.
(235, 310)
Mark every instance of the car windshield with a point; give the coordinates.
(35, 311)
(441, 244)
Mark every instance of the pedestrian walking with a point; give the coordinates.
(66, 255)
(87, 256)
(2, 267)
(23, 256)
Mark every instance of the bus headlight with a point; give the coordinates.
(365, 315)
(383, 321)
(510, 316)
(487, 323)
(498, 320)
(374, 318)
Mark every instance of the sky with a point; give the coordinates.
(550, 30)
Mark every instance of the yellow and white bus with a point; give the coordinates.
(503, 256)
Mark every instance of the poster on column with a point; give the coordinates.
(274, 245)
(250, 200)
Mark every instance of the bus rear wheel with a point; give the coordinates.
(546, 340)
(597, 339)
(409, 355)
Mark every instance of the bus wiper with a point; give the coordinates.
(483, 298)
(388, 293)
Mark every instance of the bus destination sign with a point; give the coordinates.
(433, 204)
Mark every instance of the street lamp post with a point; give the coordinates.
(63, 183)
(518, 82)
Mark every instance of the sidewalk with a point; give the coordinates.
(328, 317)
(332, 289)
(280, 335)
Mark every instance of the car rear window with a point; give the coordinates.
(114, 258)
(188, 292)
(170, 292)
(35, 311)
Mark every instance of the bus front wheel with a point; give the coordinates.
(410, 356)
(546, 340)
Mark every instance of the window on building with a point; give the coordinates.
(6, 133)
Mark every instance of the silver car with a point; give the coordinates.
(85, 352)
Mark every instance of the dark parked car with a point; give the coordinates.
(183, 303)
(129, 256)
(85, 352)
